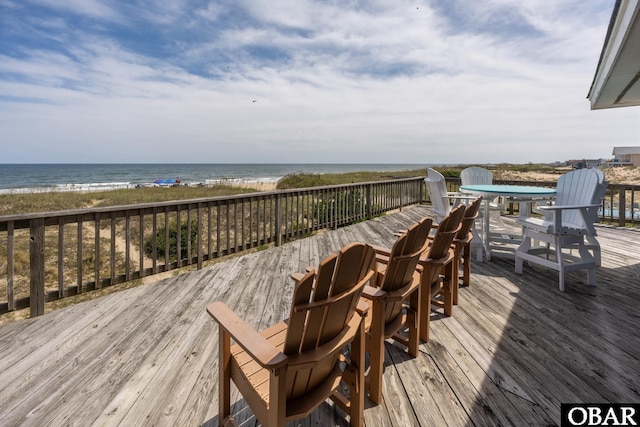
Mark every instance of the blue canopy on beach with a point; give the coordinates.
(169, 181)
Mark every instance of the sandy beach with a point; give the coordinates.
(260, 186)
(619, 175)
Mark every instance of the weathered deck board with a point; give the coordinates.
(513, 351)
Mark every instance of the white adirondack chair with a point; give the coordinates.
(566, 229)
(598, 197)
(438, 194)
(476, 175)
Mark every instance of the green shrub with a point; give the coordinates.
(348, 204)
(172, 245)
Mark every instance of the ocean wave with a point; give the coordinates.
(106, 186)
(90, 187)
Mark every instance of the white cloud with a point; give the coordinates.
(333, 81)
(93, 8)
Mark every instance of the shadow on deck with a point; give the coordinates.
(515, 349)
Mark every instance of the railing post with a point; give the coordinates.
(10, 266)
(369, 191)
(278, 222)
(622, 208)
(199, 238)
(36, 261)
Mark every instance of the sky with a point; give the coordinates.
(304, 81)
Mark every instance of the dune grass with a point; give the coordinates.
(15, 204)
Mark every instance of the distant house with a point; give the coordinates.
(585, 163)
(623, 156)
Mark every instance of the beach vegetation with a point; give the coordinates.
(347, 205)
(171, 247)
(14, 204)
(304, 180)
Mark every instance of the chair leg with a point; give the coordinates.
(357, 392)
(277, 414)
(595, 246)
(466, 265)
(425, 310)
(586, 256)
(413, 323)
(376, 354)
(455, 281)
(448, 284)
(560, 261)
(224, 385)
(523, 248)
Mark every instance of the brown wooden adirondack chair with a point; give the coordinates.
(438, 272)
(398, 282)
(289, 369)
(462, 246)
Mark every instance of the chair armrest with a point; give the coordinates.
(426, 262)
(567, 207)
(371, 293)
(261, 350)
(297, 276)
(374, 294)
(382, 259)
(362, 308)
(460, 196)
(557, 210)
(381, 250)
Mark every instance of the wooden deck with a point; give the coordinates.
(513, 351)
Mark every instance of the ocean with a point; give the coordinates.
(32, 178)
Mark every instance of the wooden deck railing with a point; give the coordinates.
(53, 255)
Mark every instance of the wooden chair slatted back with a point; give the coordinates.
(445, 233)
(441, 243)
(437, 188)
(470, 214)
(405, 255)
(400, 270)
(475, 175)
(598, 197)
(576, 188)
(324, 302)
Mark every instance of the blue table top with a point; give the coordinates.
(509, 190)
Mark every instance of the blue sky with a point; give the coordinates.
(353, 81)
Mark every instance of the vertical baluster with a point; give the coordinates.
(166, 238)
(209, 231)
(61, 290)
(199, 242)
(36, 262)
(10, 266)
(228, 226)
(189, 249)
(179, 237)
(127, 250)
(154, 240)
(80, 256)
(141, 242)
(112, 260)
(96, 249)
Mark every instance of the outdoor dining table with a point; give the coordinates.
(522, 194)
